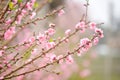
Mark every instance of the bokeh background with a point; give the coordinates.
(107, 64)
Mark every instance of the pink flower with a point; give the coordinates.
(79, 53)
(19, 18)
(50, 45)
(61, 12)
(95, 40)
(1, 52)
(50, 31)
(51, 57)
(92, 25)
(1, 77)
(9, 33)
(59, 57)
(34, 51)
(33, 15)
(41, 38)
(23, 12)
(81, 26)
(29, 6)
(31, 40)
(33, 1)
(69, 59)
(99, 32)
(67, 32)
(8, 21)
(85, 43)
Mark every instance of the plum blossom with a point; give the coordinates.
(50, 45)
(81, 26)
(51, 57)
(33, 15)
(50, 31)
(69, 59)
(92, 25)
(61, 12)
(86, 43)
(19, 18)
(23, 12)
(1, 52)
(8, 21)
(67, 32)
(29, 6)
(59, 57)
(41, 38)
(31, 40)
(9, 33)
(79, 53)
(99, 32)
(95, 40)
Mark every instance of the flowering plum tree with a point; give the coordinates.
(27, 58)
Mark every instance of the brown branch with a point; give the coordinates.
(48, 64)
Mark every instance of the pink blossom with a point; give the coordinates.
(1, 52)
(34, 51)
(79, 53)
(41, 38)
(23, 12)
(31, 40)
(51, 57)
(19, 18)
(1, 77)
(81, 26)
(33, 1)
(92, 25)
(86, 43)
(8, 21)
(67, 32)
(99, 32)
(95, 40)
(50, 45)
(61, 12)
(33, 15)
(59, 57)
(29, 6)
(9, 33)
(50, 31)
(69, 59)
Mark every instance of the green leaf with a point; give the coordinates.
(50, 40)
(11, 5)
(27, 54)
(35, 5)
(19, 1)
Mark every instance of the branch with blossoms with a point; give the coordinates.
(15, 58)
